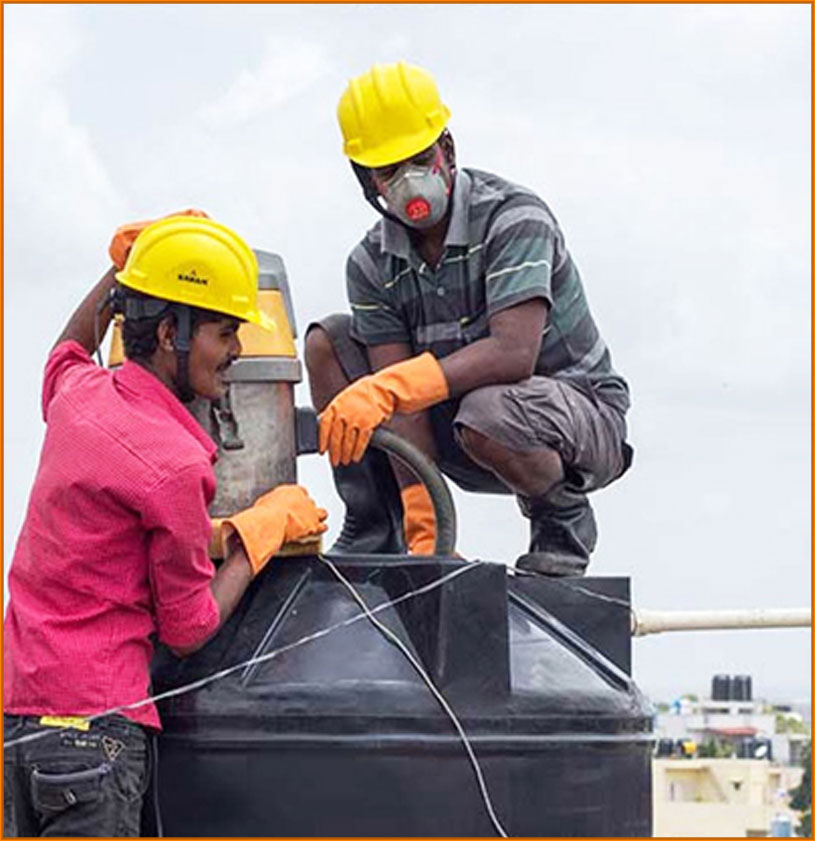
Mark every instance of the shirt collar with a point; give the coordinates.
(458, 232)
(140, 381)
(395, 239)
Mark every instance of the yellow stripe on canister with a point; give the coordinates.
(255, 341)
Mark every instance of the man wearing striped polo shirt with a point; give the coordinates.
(468, 308)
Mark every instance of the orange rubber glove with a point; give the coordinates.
(349, 420)
(304, 518)
(284, 514)
(126, 235)
(419, 520)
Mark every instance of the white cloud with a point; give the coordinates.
(37, 50)
(55, 182)
(286, 69)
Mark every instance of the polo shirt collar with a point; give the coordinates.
(395, 239)
(140, 381)
(458, 232)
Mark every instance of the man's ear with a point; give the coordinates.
(166, 332)
(448, 146)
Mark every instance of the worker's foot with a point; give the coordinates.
(562, 533)
(552, 564)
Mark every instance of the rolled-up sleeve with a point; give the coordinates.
(520, 248)
(65, 360)
(178, 525)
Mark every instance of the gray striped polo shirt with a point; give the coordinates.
(503, 247)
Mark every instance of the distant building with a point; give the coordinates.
(721, 798)
(726, 726)
(723, 766)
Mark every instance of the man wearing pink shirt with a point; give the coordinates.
(113, 549)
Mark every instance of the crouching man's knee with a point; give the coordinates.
(529, 473)
(319, 351)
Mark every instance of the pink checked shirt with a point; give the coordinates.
(114, 543)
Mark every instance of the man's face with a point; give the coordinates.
(214, 347)
(417, 189)
(433, 156)
(426, 158)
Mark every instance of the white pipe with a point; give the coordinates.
(655, 621)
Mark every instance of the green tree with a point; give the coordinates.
(714, 749)
(801, 799)
(789, 724)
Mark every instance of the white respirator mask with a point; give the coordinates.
(417, 194)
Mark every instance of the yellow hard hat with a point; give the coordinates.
(390, 113)
(198, 262)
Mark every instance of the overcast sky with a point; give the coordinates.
(672, 143)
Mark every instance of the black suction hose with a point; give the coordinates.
(430, 476)
(412, 457)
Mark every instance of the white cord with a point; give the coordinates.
(485, 796)
(262, 658)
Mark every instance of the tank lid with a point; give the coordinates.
(496, 655)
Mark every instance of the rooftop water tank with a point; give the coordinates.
(742, 688)
(722, 688)
(338, 735)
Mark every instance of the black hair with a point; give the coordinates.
(140, 333)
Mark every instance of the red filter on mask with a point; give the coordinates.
(417, 209)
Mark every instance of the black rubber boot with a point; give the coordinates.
(373, 508)
(563, 533)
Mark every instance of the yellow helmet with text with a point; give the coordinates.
(390, 113)
(198, 262)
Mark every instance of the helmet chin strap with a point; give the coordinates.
(182, 352)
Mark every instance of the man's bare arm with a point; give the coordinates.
(80, 326)
(227, 587)
(507, 355)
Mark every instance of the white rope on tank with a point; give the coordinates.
(369, 613)
(262, 658)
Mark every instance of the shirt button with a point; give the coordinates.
(441, 291)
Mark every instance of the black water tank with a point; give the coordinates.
(339, 736)
(742, 688)
(721, 688)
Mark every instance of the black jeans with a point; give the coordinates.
(74, 783)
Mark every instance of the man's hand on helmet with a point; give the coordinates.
(126, 234)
